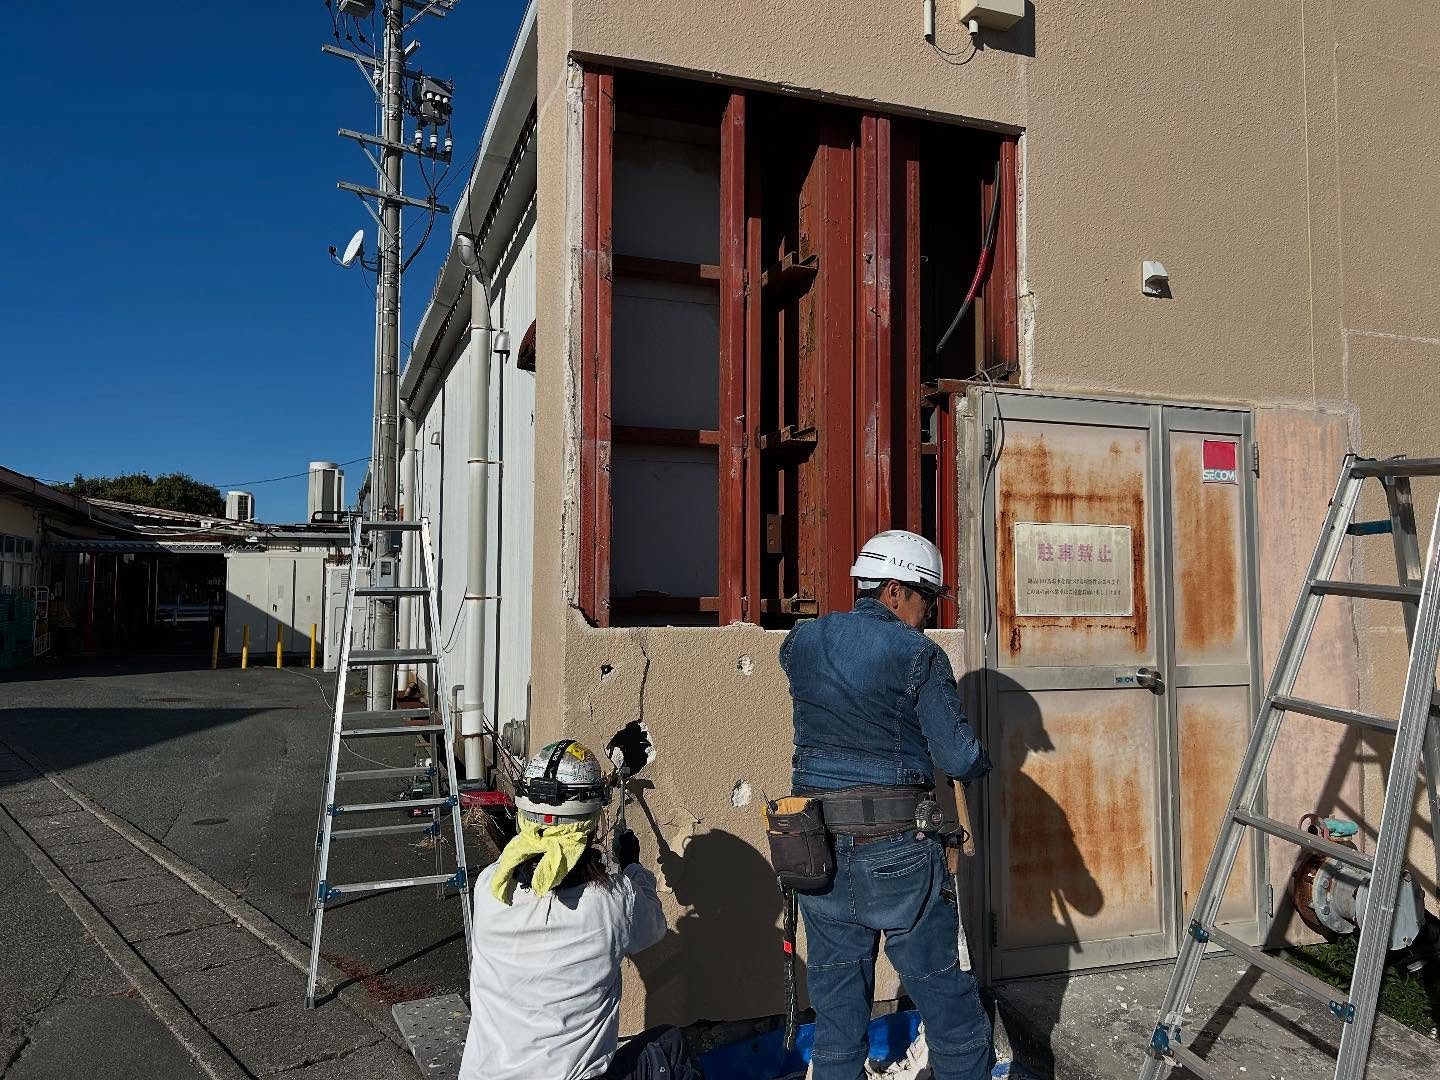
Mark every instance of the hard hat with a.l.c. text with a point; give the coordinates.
(897, 555)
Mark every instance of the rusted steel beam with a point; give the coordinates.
(947, 483)
(836, 510)
(905, 313)
(870, 225)
(1001, 299)
(733, 524)
(597, 177)
(753, 358)
(631, 435)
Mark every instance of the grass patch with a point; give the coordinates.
(1412, 999)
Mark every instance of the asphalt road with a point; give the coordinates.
(224, 769)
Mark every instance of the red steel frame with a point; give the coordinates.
(1001, 345)
(868, 374)
(735, 523)
(598, 126)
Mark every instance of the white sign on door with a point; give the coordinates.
(1063, 569)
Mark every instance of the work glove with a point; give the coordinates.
(625, 847)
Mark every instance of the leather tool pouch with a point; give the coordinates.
(799, 846)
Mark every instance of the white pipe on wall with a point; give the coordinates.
(410, 550)
(472, 715)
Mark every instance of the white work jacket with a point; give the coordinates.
(545, 976)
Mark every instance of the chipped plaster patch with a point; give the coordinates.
(740, 794)
(745, 665)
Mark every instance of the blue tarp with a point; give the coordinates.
(765, 1058)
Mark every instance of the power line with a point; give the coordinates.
(273, 479)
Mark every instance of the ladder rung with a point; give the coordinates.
(407, 729)
(383, 830)
(392, 883)
(1309, 841)
(392, 590)
(1307, 984)
(1196, 1064)
(1364, 591)
(389, 526)
(387, 714)
(1330, 712)
(1397, 467)
(392, 656)
(396, 804)
(376, 774)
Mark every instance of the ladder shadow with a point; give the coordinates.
(1242, 994)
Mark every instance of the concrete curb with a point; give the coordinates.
(292, 949)
(207, 1051)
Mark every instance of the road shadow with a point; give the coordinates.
(1042, 879)
(69, 738)
(725, 953)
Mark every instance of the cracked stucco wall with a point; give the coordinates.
(1280, 159)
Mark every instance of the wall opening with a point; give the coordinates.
(766, 283)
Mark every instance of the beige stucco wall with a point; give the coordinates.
(1280, 160)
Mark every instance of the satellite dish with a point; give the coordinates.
(355, 249)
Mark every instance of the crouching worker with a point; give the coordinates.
(552, 923)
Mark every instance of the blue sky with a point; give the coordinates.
(169, 304)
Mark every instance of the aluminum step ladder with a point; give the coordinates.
(1417, 735)
(389, 723)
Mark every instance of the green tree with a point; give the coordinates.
(172, 491)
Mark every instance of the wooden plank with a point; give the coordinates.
(732, 360)
(789, 437)
(680, 273)
(631, 435)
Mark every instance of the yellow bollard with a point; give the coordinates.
(279, 644)
(244, 646)
(215, 649)
(313, 628)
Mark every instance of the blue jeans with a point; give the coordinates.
(890, 886)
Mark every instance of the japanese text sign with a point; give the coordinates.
(1073, 569)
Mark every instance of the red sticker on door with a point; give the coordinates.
(1218, 462)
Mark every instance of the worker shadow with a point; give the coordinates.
(726, 951)
(1042, 881)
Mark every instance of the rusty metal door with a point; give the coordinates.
(1104, 713)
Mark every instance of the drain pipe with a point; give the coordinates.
(409, 541)
(472, 704)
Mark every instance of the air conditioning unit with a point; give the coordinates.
(327, 491)
(240, 505)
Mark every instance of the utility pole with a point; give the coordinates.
(385, 454)
(428, 101)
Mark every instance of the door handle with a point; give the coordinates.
(1151, 679)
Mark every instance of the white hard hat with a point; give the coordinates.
(897, 555)
(561, 784)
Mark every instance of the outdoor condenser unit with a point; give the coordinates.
(327, 490)
(240, 506)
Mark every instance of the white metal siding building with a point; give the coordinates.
(439, 388)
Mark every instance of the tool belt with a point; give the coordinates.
(871, 810)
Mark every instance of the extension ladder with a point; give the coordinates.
(1415, 735)
(389, 723)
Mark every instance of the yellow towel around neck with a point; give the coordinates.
(560, 847)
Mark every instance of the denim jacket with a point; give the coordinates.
(875, 703)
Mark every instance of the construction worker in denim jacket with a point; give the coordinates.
(876, 712)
